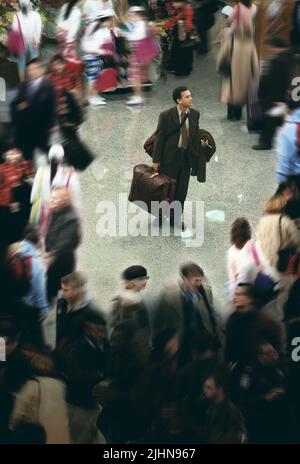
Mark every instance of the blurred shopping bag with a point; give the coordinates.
(146, 49)
(107, 80)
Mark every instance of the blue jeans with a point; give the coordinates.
(29, 54)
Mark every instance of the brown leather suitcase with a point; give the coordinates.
(146, 188)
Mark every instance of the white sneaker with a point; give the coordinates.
(96, 101)
(186, 233)
(135, 100)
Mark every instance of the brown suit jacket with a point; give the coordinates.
(165, 145)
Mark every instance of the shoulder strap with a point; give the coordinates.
(68, 180)
(20, 29)
(255, 255)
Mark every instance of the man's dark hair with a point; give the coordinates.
(178, 91)
(250, 291)
(240, 232)
(190, 270)
(32, 234)
(246, 3)
(10, 145)
(34, 61)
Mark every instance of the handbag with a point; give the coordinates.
(77, 153)
(263, 283)
(149, 144)
(15, 40)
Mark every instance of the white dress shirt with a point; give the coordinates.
(33, 86)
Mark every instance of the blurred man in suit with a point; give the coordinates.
(188, 309)
(33, 110)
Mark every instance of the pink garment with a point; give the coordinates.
(242, 17)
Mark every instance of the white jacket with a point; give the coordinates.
(72, 24)
(42, 401)
(31, 26)
(92, 43)
(92, 8)
(137, 30)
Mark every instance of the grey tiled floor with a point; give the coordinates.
(239, 181)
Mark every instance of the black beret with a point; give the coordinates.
(134, 272)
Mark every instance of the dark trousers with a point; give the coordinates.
(269, 127)
(202, 47)
(179, 170)
(30, 325)
(62, 265)
(234, 112)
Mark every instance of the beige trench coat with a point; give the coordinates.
(244, 68)
(42, 401)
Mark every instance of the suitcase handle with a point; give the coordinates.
(154, 175)
(138, 179)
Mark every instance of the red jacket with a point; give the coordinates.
(12, 175)
(185, 13)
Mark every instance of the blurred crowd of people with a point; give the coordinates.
(265, 82)
(177, 370)
(173, 369)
